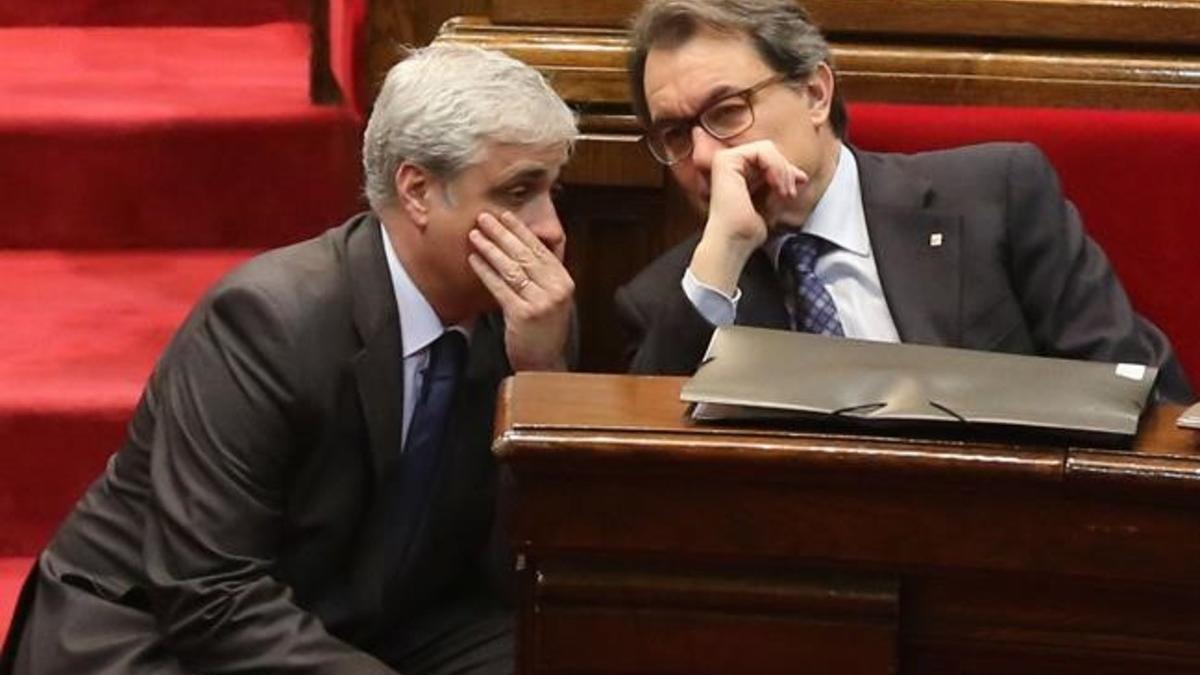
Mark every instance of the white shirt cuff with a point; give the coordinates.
(716, 307)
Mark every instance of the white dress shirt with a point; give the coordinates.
(419, 328)
(848, 270)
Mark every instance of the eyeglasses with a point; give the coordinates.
(671, 142)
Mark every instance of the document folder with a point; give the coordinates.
(1190, 419)
(755, 373)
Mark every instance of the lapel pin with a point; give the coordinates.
(935, 239)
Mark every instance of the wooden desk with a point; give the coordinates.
(651, 545)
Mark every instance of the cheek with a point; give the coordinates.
(451, 245)
(799, 145)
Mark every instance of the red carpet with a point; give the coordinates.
(12, 573)
(149, 12)
(146, 147)
(90, 326)
(163, 137)
(83, 334)
(91, 323)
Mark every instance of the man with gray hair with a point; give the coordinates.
(973, 247)
(307, 485)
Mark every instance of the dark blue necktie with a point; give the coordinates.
(814, 310)
(423, 449)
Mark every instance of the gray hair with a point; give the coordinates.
(780, 30)
(443, 104)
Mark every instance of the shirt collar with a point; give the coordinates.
(838, 217)
(419, 325)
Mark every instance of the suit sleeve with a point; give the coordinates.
(1070, 296)
(664, 334)
(225, 401)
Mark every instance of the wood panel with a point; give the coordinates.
(322, 86)
(1162, 23)
(786, 622)
(391, 26)
(607, 243)
(1165, 22)
(978, 556)
(396, 24)
(587, 67)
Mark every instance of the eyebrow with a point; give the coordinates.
(719, 92)
(524, 175)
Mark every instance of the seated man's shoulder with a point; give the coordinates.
(980, 159)
(970, 176)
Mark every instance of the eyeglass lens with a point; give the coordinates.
(725, 119)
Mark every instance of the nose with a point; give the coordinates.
(543, 221)
(704, 146)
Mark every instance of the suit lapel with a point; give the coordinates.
(917, 251)
(378, 367)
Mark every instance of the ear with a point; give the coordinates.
(414, 190)
(820, 93)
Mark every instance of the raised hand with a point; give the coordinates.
(531, 285)
(751, 185)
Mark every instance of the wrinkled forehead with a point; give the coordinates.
(500, 162)
(681, 79)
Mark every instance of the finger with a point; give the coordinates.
(780, 170)
(509, 270)
(763, 159)
(506, 239)
(799, 178)
(496, 285)
(540, 263)
(526, 236)
(780, 180)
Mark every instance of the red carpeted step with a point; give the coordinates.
(166, 137)
(12, 575)
(82, 334)
(149, 12)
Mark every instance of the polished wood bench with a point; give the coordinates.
(652, 545)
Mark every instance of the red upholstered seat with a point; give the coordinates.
(1134, 175)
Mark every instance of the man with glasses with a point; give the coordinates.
(974, 247)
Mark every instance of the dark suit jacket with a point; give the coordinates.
(1015, 272)
(244, 512)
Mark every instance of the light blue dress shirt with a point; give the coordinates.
(419, 328)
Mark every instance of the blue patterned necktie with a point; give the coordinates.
(814, 310)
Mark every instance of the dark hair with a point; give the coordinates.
(780, 31)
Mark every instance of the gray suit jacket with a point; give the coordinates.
(243, 517)
(1016, 271)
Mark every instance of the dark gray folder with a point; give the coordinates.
(756, 373)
